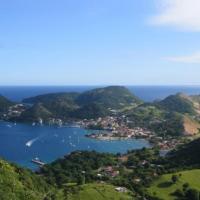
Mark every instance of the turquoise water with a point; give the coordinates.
(21, 142)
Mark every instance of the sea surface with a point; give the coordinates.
(19, 143)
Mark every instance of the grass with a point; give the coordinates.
(99, 192)
(163, 187)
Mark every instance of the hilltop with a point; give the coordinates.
(176, 115)
(90, 104)
(178, 103)
(113, 97)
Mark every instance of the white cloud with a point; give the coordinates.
(181, 14)
(192, 59)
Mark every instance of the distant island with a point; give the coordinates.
(114, 111)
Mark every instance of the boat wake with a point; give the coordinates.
(30, 142)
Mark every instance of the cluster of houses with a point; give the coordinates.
(115, 128)
(167, 144)
(14, 111)
(108, 171)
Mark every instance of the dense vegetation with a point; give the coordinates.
(20, 184)
(183, 185)
(187, 155)
(35, 112)
(143, 172)
(91, 104)
(174, 116)
(178, 103)
(71, 168)
(97, 192)
(114, 97)
(159, 121)
(181, 174)
(58, 104)
(4, 104)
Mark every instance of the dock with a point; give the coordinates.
(37, 161)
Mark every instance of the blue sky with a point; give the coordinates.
(99, 42)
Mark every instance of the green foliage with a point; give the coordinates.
(156, 119)
(90, 111)
(92, 104)
(53, 97)
(20, 184)
(98, 192)
(34, 113)
(70, 168)
(114, 97)
(187, 155)
(166, 190)
(174, 178)
(172, 124)
(58, 104)
(178, 103)
(4, 104)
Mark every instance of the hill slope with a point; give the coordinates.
(4, 104)
(91, 104)
(187, 155)
(99, 192)
(178, 103)
(163, 188)
(20, 184)
(36, 112)
(59, 104)
(114, 97)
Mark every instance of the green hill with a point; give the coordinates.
(91, 104)
(20, 184)
(156, 119)
(99, 192)
(180, 103)
(37, 111)
(90, 111)
(4, 104)
(69, 169)
(187, 155)
(59, 104)
(52, 97)
(114, 97)
(163, 188)
(59, 180)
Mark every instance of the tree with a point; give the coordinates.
(192, 194)
(174, 178)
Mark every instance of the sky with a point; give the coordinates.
(99, 42)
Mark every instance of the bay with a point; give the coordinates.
(19, 143)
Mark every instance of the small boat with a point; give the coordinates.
(38, 161)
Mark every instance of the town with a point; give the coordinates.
(115, 127)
